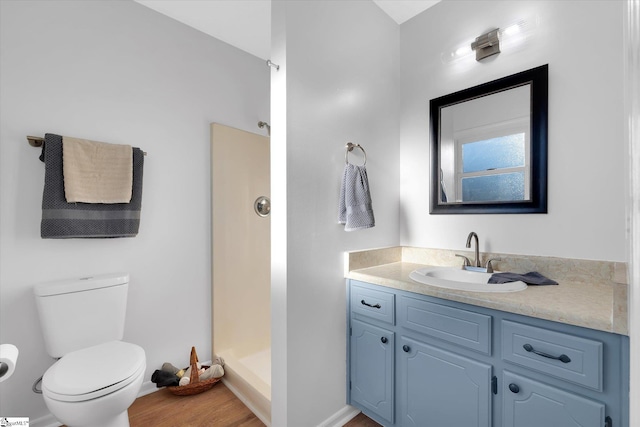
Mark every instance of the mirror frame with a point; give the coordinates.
(539, 80)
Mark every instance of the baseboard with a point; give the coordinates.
(341, 417)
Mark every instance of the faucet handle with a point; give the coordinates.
(488, 265)
(467, 263)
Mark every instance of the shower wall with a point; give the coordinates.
(241, 264)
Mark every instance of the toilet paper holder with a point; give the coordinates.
(8, 360)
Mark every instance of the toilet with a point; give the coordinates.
(97, 376)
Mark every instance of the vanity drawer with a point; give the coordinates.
(373, 303)
(454, 325)
(557, 354)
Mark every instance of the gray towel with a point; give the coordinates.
(531, 278)
(355, 210)
(62, 220)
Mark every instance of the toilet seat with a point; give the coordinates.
(93, 372)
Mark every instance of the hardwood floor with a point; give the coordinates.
(217, 407)
(362, 421)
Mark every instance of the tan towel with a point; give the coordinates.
(96, 172)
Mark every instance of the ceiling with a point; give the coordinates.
(246, 24)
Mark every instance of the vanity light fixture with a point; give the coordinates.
(507, 39)
(486, 44)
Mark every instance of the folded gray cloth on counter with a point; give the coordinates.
(62, 220)
(531, 278)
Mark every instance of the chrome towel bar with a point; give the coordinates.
(36, 141)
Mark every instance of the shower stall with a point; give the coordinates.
(241, 248)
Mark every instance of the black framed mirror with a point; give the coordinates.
(489, 147)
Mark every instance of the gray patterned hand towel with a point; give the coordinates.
(355, 210)
(62, 220)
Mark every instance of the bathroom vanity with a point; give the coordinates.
(422, 356)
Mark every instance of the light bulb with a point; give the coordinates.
(463, 50)
(512, 29)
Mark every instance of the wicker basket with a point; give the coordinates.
(195, 386)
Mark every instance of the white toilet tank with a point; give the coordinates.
(79, 313)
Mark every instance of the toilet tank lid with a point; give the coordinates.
(80, 284)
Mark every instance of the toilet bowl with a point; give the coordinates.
(94, 387)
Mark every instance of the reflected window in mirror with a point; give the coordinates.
(488, 147)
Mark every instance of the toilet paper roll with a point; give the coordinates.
(8, 360)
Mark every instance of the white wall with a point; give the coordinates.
(341, 64)
(587, 151)
(115, 71)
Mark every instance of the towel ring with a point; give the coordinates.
(350, 146)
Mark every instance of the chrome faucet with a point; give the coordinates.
(476, 262)
(476, 265)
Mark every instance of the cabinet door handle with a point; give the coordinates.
(363, 302)
(406, 348)
(384, 340)
(563, 357)
(514, 388)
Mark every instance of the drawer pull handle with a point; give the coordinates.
(363, 302)
(406, 348)
(563, 357)
(514, 388)
(384, 340)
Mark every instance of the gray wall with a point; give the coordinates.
(119, 72)
(587, 151)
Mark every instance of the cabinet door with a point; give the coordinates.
(528, 403)
(439, 388)
(372, 373)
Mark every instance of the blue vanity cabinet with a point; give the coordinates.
(419, 361)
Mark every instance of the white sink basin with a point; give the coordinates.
(462, 280)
